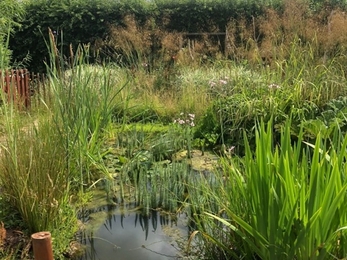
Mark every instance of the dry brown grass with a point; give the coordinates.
(279, 30)
(268, 38)
(129, 37)
(143, 42)
(264, 38)
(335, 31)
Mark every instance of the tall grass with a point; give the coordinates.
(283, 201)
(85, 98)
(33, 178)
(35, 181)
(43, 162)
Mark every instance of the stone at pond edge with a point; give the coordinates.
(75, 250)
(199, 161)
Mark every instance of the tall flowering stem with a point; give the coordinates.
(186, 122)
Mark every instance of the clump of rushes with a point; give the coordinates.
(84, 99)
(35, 180)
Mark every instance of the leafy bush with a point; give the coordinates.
(75, 22)
(249, 26)
(11, 13)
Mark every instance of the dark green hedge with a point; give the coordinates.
(85, 21)
(73, 21)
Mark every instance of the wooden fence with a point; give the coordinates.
(20, 85)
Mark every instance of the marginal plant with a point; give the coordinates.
(145, 171)
(35, 180)
(285, 201)
(83, 105)
(186, 122)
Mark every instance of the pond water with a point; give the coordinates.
(120, 233)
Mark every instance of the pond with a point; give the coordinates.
(123, 232)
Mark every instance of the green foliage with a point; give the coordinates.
(330, 120)
(82, 107)
(76, 21)
(283, 201)
(36, 181)
(10, 14)
(209, 128)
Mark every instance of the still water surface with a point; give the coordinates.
(121, 234)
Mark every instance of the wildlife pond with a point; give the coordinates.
(114, 228)
(124, 232)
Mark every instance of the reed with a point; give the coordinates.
(85, 98)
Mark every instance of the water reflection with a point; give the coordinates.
(124, 233)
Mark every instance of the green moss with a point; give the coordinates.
(148, 128)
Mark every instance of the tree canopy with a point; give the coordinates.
(11, 12)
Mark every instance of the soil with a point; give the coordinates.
(14, 241)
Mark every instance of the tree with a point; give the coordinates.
(11, 12)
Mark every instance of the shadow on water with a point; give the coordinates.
(115, 232)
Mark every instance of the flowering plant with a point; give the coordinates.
(220, 87)
(186, 122)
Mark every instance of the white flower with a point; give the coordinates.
(231, 149)
(274, 86)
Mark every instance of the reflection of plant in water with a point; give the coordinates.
(142, 169)
(166, 230)
(146, 175)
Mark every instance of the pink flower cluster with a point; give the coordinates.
(185, 120)
(222, 81)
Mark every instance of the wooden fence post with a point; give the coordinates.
(25, 87)
(42, 245)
